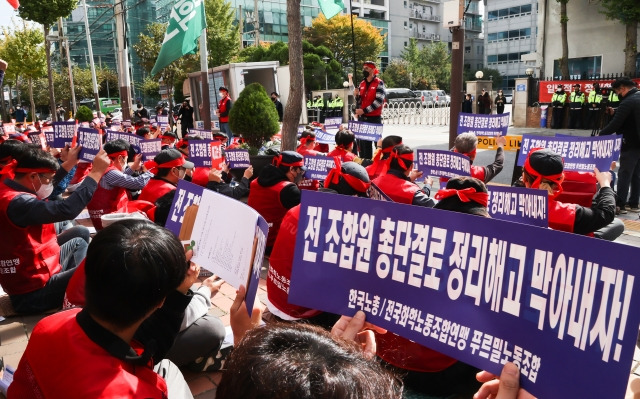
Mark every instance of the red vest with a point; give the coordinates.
(399, 190)
(304, 151)
(561, 216)
(155, 189)
(476, 171)
(280, 263)
(200, 175)
(345, 156)
(89, 370)
(409, 355)
(266, 201)
(222, 107)
(369, 95)
(30, 255)
(378, 168)
(106, 201)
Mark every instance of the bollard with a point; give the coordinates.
(543, 115)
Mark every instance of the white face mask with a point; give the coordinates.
(45, 190)
(181, 173)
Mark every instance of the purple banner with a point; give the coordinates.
(375, 193)
(483, 291)
(442, 163)
(333, 122)
(484, 125)
(325, 137)
(187, 194)
(205, 134)
(366, 131)
(48, 135)
(38, 138)
(237, 159)
(128, 137)
(163, 120)
(150, 148)
(519, 204)
(200, 152)
(580, 154)
(318, 166)
(63, 133)
(91, 142)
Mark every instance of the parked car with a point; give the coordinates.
(426, 97)
(395, 96)
(441, 98)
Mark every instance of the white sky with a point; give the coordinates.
(6, 13)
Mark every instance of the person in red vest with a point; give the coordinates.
(467, 144)
(370, 96)
(344, 146)
(168, 140)
(224, 106)
(307, 144)
(169, 166)
(543, 169)
(380, 162)
(136, 297)
(111, 195)
(35, 267)
(398, 182)
(347, 179)
(275, 191)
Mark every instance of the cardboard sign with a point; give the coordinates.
(91, 142)
(63, 134)
(366, 131)
(442, 163)
(484, 125)
(518, 204)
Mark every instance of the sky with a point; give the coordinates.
(6, 13)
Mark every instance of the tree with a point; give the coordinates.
(564, 61)
(435, 62)
(487, 74)
(293, 109)
(254, 116)
(396, 74)
(84, 114)
(150, 87)
(47, 12)
(627, 12)
(335, 34)
(223, 37)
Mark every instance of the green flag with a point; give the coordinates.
(185, 26)
(331, 8)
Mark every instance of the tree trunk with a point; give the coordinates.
(52, 98)
(3, 109)
(631, 49)
(33, 103)
(19, 90)
(296, 85)
(564, 61)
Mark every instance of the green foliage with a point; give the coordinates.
(23, 49)
(431, 65)
(84, 114)
(397, 74)
(46, 12)
(626, 11)
(150, 87)
(254, 116)
(223, 37)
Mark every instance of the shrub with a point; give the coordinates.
(84, 114)
(254, 116)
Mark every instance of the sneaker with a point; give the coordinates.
(212, 362)
(634, 209)
(620, 211)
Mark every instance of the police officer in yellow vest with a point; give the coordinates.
(595, 98)
(557, 101)
(614, 102)
(576, 101)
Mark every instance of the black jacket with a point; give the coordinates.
(626, 121)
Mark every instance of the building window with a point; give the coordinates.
(405, 4)
(584, 66)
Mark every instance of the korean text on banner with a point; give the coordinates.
(318, 166)
(150, 148)
(484, 125)
(366, 131)
(91, 142)
(63, 133)
(237, 159)
(519, 204)
(442, 163)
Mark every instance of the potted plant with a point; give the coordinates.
(84, 114)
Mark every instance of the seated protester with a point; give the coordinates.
(307, 143)
(136, 296)
(111, 195)
(467, 144)
(425, 370)
(200, 174)
(274, 192)
(543, 169)
(217, 183)
(398, 182)
(40, 267)
(344, 146)
(169, 166)
(380, 162)
(10, 150)
(347, 179)
(168, 139)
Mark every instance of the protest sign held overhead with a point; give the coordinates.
(91, 142)
(484, 125)
(150, 148)
(237, 159)
(63, 134)
(442, 163)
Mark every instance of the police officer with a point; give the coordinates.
(557, 101)
(595, 98)
(576, 101)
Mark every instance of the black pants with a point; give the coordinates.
(558, 118)
(575, 118)
(365, 147)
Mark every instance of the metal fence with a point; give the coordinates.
(414, 114)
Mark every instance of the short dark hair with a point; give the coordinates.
(131, 266)
(142, 131)
(35, 158)
(304, 362)
(273, 92)
(400, 149)
(454, 203)
(307, 134)
(345, 138)
(116, 146)
(163, 207)
(12, 148)
(623, 81)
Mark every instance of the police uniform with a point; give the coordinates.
(557, 101)
(576, 102)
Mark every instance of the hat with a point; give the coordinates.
(289, 158)
(544, 162)
(222, 88)
(169, 158)
(349, 178)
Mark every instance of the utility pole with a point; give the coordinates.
(64, 42)
(204, 77)
(123, 63)
(240, 25)
(256, 22)
(457, 67)
(93, 67)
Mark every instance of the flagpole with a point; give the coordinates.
(205, 113)
(353, 38)
(93, 68)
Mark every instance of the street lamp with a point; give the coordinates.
(410, 79)
(479, 75)
(529, 72)
(326, 80)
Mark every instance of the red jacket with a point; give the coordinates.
(222, 108)
(155, 189)
(561, 216)
(369, 95)
(89, 371)
(476, 171)
(280, 263)
(266, 201)
(399, 190)
(304, 151)
(106, 201)
(345, 156)
(30, 255)
(409, 355)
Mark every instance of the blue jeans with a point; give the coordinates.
(224, 128)
(629, 175)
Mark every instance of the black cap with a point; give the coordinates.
(546, 162)
(171, 154)
(223, 88)
(289, 158)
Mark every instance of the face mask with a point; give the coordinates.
(365, 73)
(222, 94)
(273, 99)
(181, 173)
(45, 190)
(299, 176)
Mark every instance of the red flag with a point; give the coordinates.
(14, 3)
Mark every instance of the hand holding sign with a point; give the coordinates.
(505, 387)
(356, 329)
(240, 320)
(603, 178)
(501, 141)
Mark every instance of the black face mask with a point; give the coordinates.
(365, 73)
(273, 99)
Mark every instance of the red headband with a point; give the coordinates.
(471, 154)
(383, 151)
(166, 136)
(182, 143)
(152, 166)
(277, 161)
(372, 66)
(402, 158)
(557, 178)
(115, 155)
(11, 169)
(336, 173)
(305, 140)
(465, 195)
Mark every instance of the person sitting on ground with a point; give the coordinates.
(10, 150)
(543, 169)
(467, 144)
(344, 146)
(274, 192)
(136, 296)
(380, 163)
(169, 167)
(399, 181)
(168, 140)
(307, 143)
(40, 267)
(111, 195)
(347, 179)
(218, 184)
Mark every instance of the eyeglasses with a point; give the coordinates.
(48, 179)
